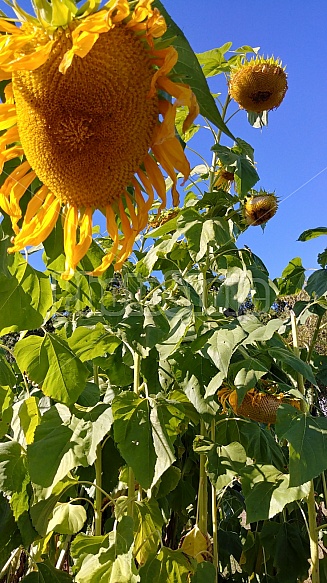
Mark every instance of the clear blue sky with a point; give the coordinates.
(291, 153)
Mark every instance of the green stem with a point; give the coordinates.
(314, 338)
(203, 491)
(313, 535)
(98, 475)
(296, 351)
(131, 478)
(214, 516)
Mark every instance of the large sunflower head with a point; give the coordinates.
(89, 113)
(259, 84)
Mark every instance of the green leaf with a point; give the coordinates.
(267, 491)
(205, 572)
(50, 363)
(257, 441)
(188, 70)
(7, 377)
(213, 61)
(312, 233)
(222, 344)
(293, 278)
(234, 289)
(307, 436)
(111, 561)
(247, 373)
(286, 356)
(239, 161)
(6, 409)
(63, 441)
(67, 518)
(45, 501)
(167, 567)
(29, 416)
(12, 468)
(89, 342)
(133, 435)
(289, 549)
(224, 462)
(258, 332)
(148, 523)
(265, 291)
(317, 283)
(180, 319)
(10, 538)
(25, 297)
(47, 573)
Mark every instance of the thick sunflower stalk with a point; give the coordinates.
(89, 113)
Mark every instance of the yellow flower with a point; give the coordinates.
(88, 112)
(258, 85)
(260, 207)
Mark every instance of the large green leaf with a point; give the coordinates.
(188, 70)
(67, 518)
(289, 549)
(133, 435)
(64, 440)
(45, 501)
(25, 297)
(286, 356)
(167, 567)
(51, 364)
(148, 523)
(89, 342)
(47, 573)
(222, 344)
(240, 162)
(224, 462)
(267, 491)
(307, 436)
(293, 278)
(12, 467)
(317, 283)
(257, 441)
(265, 291)
(234, 289)
(108, 561)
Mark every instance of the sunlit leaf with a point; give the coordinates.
(307, 436)
(67, 518)
(51, 364)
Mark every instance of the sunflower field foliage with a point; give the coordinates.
(163, 419)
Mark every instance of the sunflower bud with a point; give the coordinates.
(259, 208)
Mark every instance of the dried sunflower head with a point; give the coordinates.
(256, 405)
(258, 85)
(260, 207)
(89, 108)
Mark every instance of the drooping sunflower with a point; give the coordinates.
(259, 207)
(259, 84)
(89, 112)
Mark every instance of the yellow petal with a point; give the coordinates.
(85, 236)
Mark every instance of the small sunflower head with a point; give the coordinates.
(223, 179)
(260, 207)
(258, 85)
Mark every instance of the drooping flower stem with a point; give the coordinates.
(98, 474)
(131, 478)
(313, 533)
